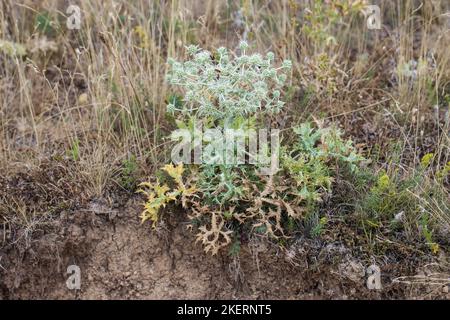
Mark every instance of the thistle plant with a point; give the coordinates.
(159, 195)
(225, 199)
(313, 161)
(223, 86)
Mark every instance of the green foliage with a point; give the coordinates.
(128, 173)
(235, 247)
(323, 16)
(318, 228)
(443, 173)
(223, 86)
(159, 195)
(243, 201)
(231, 200)
(220, 184)
(45, 23)
(393, 193)
(75, 150)
(314, 160)
(389, 196)
(396, 201)
(12, 49)
(426, 160)
(428, 234)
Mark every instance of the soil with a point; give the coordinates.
(121, 259)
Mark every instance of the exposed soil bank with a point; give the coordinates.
(121, 259)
